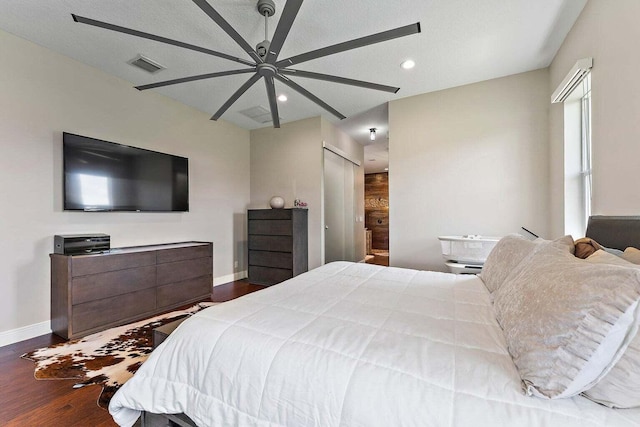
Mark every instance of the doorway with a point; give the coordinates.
(376, 213)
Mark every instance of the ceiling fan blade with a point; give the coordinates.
(336, 79)
(273, 103)
(222, 23)
(194, 78)
(351, 44)
(286, 80)
(117, 28)
(236, 95)
(289, 14)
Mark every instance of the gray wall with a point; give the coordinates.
(44, 94)
(467, 160)
(609, 32)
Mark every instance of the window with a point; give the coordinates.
(575, 94)
(94, 190)
(585, 152)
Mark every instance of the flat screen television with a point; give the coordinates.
(105, 176)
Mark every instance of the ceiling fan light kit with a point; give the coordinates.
(264, 61)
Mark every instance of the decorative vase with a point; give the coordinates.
(276, 202)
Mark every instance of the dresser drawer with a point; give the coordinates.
(91, 264)
(271, 259)
(270, 243)
(112, 283)
(268, 275)
(181, 254)
(281, 227)
(270, 214)
(171, 272)
(103, 312)
(177, 293)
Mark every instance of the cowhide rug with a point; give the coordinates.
(108, 358)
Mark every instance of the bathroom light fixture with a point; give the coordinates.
(408, 64)
(282, 98)
(372, 134)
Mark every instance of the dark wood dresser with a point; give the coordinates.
(278, 243)
(90, 293)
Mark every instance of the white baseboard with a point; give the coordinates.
(26, 332)
(30, 331)
(230, 278)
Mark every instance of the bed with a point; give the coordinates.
(351, 344)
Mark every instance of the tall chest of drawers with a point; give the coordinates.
(278, 242)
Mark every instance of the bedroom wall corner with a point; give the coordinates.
(44, 94)
(287, 162)
(467, 160)
(606, 31)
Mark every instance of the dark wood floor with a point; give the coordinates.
(25, 401)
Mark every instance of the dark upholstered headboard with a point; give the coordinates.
(618, 232)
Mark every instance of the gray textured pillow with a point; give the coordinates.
(620, 388)
(566, 321)
(509, 252)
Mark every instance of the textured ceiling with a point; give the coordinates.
(462, 41)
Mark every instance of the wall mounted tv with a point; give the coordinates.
(105, 176)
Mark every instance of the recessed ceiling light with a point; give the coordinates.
(408, 64)
(386, 169)
(282, 98)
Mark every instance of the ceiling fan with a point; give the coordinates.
(264, 58)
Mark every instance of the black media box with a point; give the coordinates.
(77, 244)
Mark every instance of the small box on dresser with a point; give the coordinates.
(278, 244)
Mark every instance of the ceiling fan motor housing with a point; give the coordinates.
(263, 48)
(266, 70)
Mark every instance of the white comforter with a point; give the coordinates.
(349, 345)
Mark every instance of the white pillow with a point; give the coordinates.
(620, 388)
(601, 256)
(566, 321)
(509, 252)
(632, 255)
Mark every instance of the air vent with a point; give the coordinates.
(258, 114)
(146, 64)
